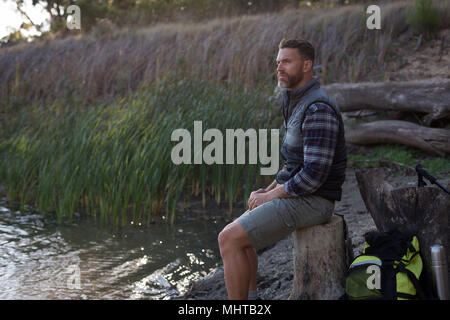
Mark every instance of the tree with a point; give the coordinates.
(54, 8)
(57, 9)
(17, 35)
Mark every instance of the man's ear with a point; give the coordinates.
(307, 66)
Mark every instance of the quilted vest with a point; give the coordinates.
(295, 103)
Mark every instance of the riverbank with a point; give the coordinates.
(275, 269)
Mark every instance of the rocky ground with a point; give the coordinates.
(275, 270)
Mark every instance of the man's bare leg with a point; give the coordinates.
(233, 244)
(253, 261)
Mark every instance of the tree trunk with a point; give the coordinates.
(422, 211)
(432, 140)
(321, 257)
(428, 96)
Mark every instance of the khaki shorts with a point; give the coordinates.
(274, 220)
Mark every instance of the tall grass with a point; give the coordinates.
(235, 50)
(113, 161)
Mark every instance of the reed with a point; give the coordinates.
(113, 161)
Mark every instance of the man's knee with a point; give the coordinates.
(251, 252)
(233, 237)
(222, 240)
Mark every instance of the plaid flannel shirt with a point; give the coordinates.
(320, 131)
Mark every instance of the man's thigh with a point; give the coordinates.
(274, 220)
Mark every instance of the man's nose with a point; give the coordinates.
(279, 67)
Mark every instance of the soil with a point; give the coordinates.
(419, 59)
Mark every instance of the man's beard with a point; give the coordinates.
(290, 81)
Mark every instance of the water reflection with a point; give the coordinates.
(40, 259)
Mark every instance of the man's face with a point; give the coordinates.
(290, 68)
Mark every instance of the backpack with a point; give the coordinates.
(389, 268)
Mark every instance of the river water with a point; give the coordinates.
(40, 259)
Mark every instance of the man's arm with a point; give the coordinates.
(320, 134)
(278, 192)
(271, 191)
(271, 186)
(258, 198)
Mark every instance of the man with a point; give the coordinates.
(305, 190)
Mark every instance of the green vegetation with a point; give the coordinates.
(435, 165)
(402, 156)
(113, 161)
(425, 18)
(395, 153)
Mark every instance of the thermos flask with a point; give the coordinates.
(440, 271)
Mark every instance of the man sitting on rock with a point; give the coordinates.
(304, 191)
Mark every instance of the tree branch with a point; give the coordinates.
(38, 28)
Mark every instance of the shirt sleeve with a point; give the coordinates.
(320, 131)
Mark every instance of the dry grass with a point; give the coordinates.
(240, 49)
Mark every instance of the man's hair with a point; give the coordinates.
(305, 49)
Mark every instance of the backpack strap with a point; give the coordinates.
(420, 294)
(388, 280)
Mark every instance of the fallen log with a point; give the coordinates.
(433, 140)
(431, 97)
(423, 211)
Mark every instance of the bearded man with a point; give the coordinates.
(306, 188)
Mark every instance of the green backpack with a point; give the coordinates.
(390, 267)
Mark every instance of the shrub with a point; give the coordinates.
(425, 18)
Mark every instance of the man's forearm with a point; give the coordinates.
(258, 198)
(272, 185)
(278, 192)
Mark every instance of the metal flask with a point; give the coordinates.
(440, 272)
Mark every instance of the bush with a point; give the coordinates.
(425, 18)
